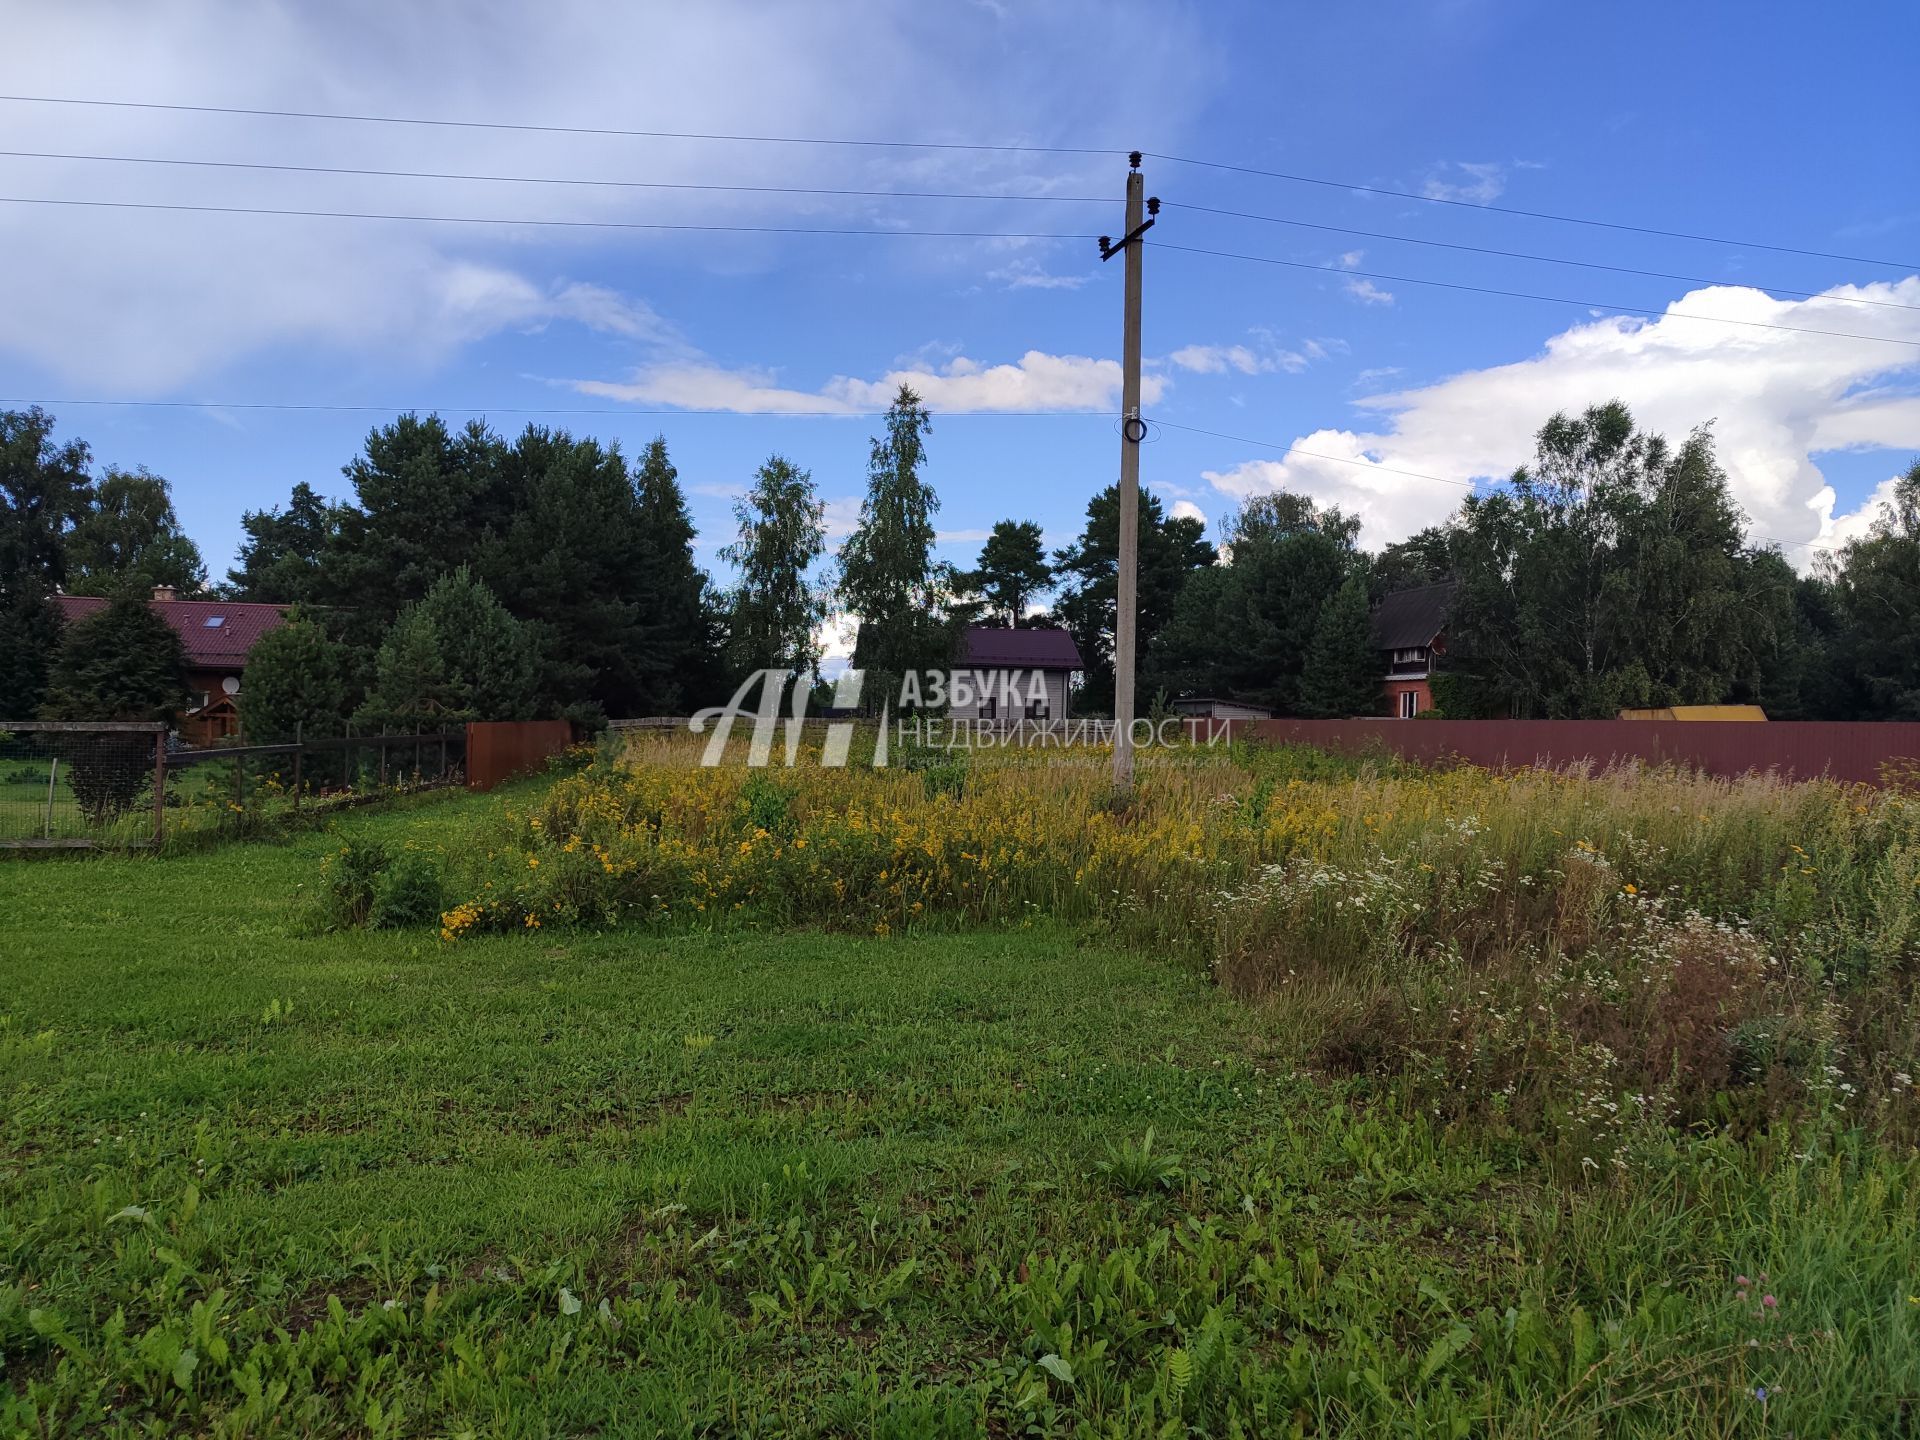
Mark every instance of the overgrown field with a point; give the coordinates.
(1299, 1097)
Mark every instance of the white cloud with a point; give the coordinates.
(841, 516)
(1776, 399)
(154, 302)
(1027, 274)
(1187, 510)
(1036, 382)
(1219, 359)
(1476, 183)
(1368, 293)
(960, 537)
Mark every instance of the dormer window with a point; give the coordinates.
(1409, 657)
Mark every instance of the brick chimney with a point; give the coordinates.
(163, 592)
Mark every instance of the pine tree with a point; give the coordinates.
(282, 556)
(1172, 549)
(1013, 570)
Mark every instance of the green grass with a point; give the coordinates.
(256, 1180)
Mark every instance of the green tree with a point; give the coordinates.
(282, 557)
(1013, 571)
(1876, 592)
(129, 534)
(1171, 550)
(456, 655)
(123, 663)
(1246, 631)
(296, 685)
(1423, 558)
(429, 499)
(888, 580)
(1341, 676)
(43, 491)
(571, 563)
(774, 608)
(1611, 573)
(677, 603)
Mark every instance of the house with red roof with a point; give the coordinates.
(217, 636)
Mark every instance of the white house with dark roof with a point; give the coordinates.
(1008, 674)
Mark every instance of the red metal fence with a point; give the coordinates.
(1844, 750)
(497, 750)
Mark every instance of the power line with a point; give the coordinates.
(156, 205)
(972, 195)
(529, 221)
(1520, 255)
(1276, 446)
(561, 180)
(554, 410)
(1528, 295)
(864, 144)
(1529, 214)
(944, 145)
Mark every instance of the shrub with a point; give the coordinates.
(347, 881)
(406, 893)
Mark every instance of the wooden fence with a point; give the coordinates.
(82, 785)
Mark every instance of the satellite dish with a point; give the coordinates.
(231, 684)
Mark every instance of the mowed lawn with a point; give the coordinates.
(257, 1180)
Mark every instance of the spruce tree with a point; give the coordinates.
(1341, 677)
(295, 685)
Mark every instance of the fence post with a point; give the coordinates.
(159, 785)
(299, 752)
(383, 762)
(239, 783)
(53, 776)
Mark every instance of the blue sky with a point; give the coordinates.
(1764, 123)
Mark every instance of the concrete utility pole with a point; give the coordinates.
(1132, 431)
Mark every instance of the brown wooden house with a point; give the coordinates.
(217, 636)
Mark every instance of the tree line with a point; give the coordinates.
(472, 576)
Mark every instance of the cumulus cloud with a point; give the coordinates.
(1368, 293)
(1777, 399)
(1036, 382)
(1187, 510)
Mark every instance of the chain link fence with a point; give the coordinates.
(85, 784)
